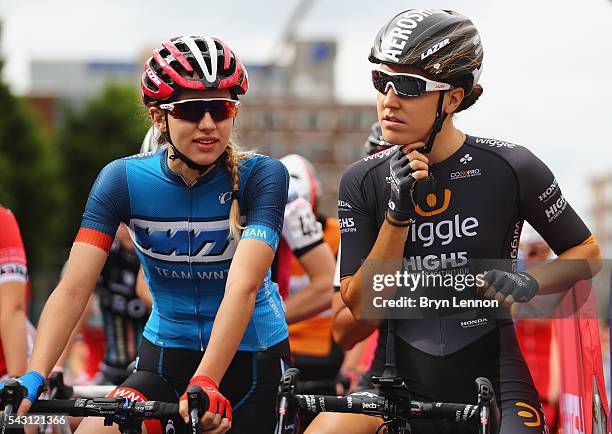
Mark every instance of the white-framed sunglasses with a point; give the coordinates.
(192, 110)
(404, 84)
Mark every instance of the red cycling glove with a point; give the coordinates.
(218, 403)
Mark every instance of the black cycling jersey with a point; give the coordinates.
(482, 195)
(474, 209)
(124, 314)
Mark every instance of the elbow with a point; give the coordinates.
(342, 338)
(592, 253)
(596, 263)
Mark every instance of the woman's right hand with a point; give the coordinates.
(406, 167)
(218, 417)
(34, 384)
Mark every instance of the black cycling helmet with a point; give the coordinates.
(442, 43)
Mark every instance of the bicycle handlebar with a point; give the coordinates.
(392, 404)
(127, 414)
(106, 407)
(379, 406)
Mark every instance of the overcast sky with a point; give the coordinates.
(547, 66)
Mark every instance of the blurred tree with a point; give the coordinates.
(29, 177)
(108, 127)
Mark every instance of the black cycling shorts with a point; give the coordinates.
(496, 356)
(250, 384)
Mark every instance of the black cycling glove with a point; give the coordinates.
(522, 286)
(401, 202)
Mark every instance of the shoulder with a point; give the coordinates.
(514, 154)
(259, 168)
(254, 161)
(366, 166)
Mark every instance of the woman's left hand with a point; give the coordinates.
(218, 417)
(507, 287)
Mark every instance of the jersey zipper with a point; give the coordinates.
(196, 289)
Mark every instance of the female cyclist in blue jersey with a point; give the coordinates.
(435, 202)
(205, 220)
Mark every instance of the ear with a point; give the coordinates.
(453, 99)
(158, 118)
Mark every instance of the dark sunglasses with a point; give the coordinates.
(405, 85)
(192, 110)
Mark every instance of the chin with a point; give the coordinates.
(396, 138)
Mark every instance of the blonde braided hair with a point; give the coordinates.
(233, 154)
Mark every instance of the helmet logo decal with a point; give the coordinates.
(152, 76)
(435, 48)
(211, 75)
(394, 43)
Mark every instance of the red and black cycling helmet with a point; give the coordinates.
(192, 62)
(443, 43)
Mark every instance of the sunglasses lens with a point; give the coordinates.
(404, 85)
(193, 111)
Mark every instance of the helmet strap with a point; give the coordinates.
(179, 155)
(437, 125)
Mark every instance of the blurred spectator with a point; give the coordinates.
(13, 298)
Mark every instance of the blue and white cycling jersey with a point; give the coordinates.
(181, 234)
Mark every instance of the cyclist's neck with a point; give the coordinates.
(190, 176)
(447, 142)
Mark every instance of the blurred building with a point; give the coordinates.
(290, 107)
(328, 133)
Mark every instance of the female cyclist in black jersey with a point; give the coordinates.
(205, 219)
(435, 202)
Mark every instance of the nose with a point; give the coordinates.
(391, 99)
(207, 123)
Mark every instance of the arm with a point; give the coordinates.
(318, 264)
(384, 258)
(61, 362)
(13, 326)
(13, 281)
(347, 331)
(543, 205)
(384, 250)
(66, 305)
(265, 197)
(304, 236)
(142, 290)
(243, 281)
(576, 263)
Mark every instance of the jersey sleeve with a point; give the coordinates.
(13, 264)
(266, 198)
(358, 229)
(301, 229)
(107, 206)
(543, 205)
